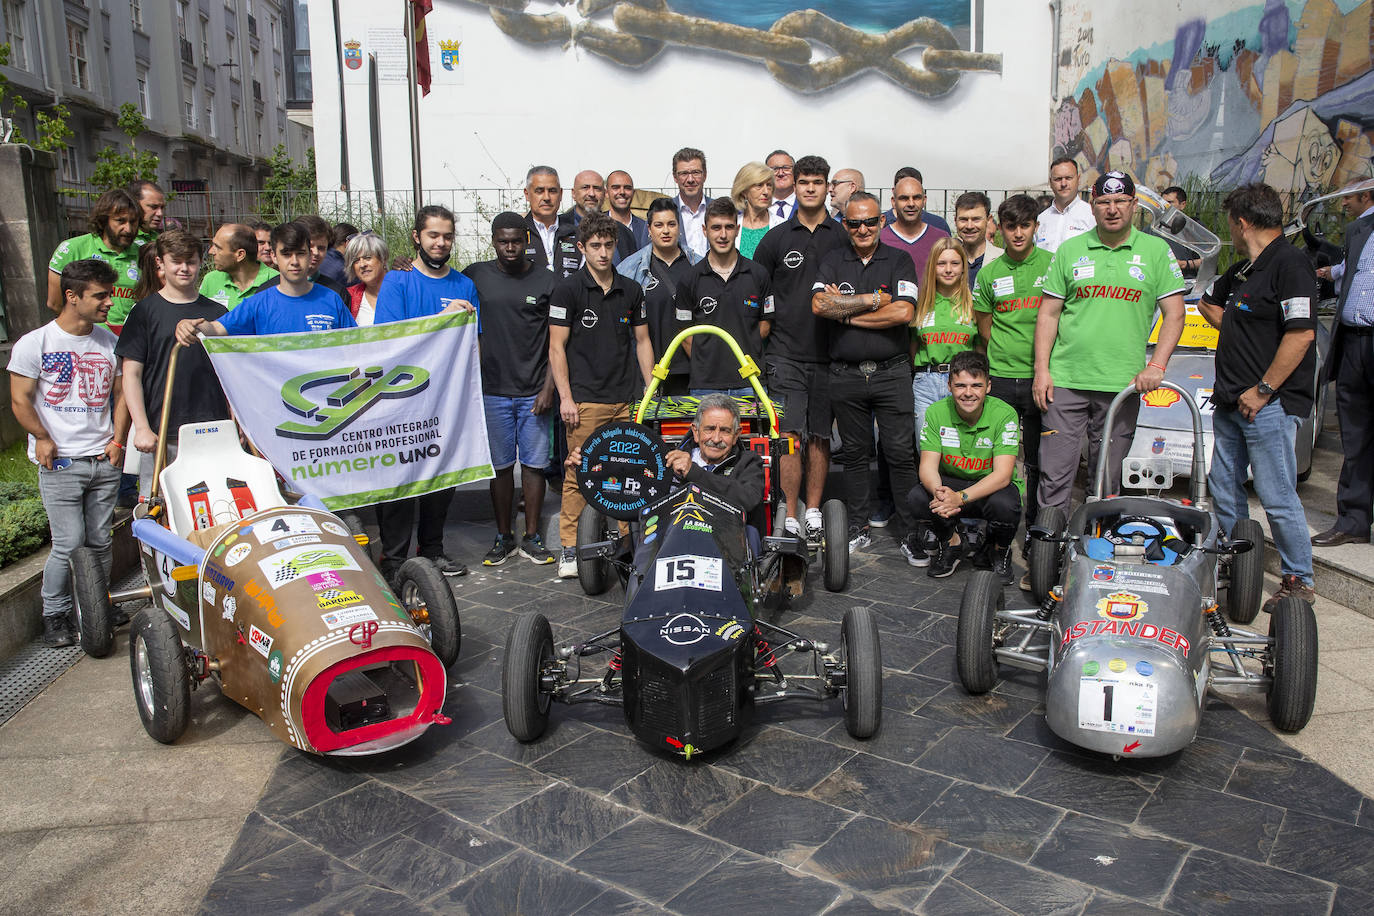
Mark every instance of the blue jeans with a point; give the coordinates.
(1265, 446)
(80, 502)
(513, 427)
(926, 389)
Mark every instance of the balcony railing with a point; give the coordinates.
(188, 55)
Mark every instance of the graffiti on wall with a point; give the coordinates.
(1289, 102)
(803, 48)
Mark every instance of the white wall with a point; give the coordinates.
(512, 105)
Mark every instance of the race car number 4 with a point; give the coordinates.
(687, 571)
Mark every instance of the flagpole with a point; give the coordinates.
(414, 87)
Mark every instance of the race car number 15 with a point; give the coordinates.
(687, 571)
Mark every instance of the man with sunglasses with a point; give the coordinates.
(867, 291)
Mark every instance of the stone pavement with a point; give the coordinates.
(960, 804)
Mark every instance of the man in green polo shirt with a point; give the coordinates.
(114, 223)
(1006, 301)
(237, 274)
(968, 468)
(1095, 317)
(152, 204)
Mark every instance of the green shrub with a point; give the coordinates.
(23, 528)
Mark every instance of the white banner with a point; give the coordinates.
(380, 413)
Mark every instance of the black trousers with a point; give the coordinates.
(1001, 510)
(857, 400)
(1017, 393)
(426, 513)
(1355, 411)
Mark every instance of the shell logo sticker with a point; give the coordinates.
(1122, 606)
(1161, 397)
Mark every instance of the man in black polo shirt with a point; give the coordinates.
(517, 389)
(798, 353)
(596, 319)
(868, 291)
(1266, 367)
(733, 293)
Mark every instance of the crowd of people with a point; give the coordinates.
(982, 370)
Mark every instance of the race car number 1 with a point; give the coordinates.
(687, 571)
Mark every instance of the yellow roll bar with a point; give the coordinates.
(748, 370)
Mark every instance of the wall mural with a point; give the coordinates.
(1290, 103)
(794, 44)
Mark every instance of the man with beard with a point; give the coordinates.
(114, 225)
(620, 190)
(428, 288)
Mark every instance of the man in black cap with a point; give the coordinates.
(517, 389)
(1090, 336)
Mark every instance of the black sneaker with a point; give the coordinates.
(947, 560)
(504, 547)
(448, 566)
(532, 548)
(1001, 563)
(57, 633)
(978, 549)
(915, 552)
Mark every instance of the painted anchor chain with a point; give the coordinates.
(644, 27)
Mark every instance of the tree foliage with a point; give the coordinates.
(288, 190)
(53, 131)
(115, 168)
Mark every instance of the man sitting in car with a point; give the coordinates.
(968, 467)
(712, 457)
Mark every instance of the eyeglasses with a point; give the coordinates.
(782, 170)
(694, 173)
(837, 183)
(871, 222)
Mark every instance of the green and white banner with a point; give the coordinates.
(363, 415)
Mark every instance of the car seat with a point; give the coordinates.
(1152, 550)
(213, 480)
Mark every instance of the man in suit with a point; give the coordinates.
(1351, 366)
(553, 235)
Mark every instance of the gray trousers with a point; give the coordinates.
(1076, 416)
(80, 502)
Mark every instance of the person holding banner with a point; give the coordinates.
(596, 317)
(293, 306)
(428, 288)
(517, 389)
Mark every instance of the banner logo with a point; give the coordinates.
(358, 390)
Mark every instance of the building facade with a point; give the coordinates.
(215, 80)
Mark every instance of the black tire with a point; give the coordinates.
(421, 587)
(594, 575)
(1045, 557)
(835, 556)
(162, 682)
(91, 600)
(1245, 591)
(974, 658)
(862, 694)
(1293, 690)
(529, 647)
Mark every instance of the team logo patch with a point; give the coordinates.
(589, 319)
(1122, 606)
(1137, 274)
(793, 259)
(1103, 573)
(707, 305)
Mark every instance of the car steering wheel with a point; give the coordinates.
(1117, 536)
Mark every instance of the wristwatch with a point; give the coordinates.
(1265, 388)
(963, 496)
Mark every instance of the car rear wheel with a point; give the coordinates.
(91, 595)
(1293, 689)
(862, 694)
(529, 649)
(1045, 556)
(162, 682)
(429, 602)
(593, 574)
(974, 656)
(835, 524)
(1245, 591)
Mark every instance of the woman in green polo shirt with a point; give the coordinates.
(943, 325)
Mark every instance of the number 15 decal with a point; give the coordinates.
(687, 571)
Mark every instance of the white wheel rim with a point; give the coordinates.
(145, 673)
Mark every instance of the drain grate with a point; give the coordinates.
(29, 671)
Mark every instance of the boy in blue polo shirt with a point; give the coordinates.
(292, 306)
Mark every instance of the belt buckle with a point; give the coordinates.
(942, 367)
(868, 367)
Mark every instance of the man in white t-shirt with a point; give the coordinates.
(64, 392)
(1068, 215)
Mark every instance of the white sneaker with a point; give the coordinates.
(791, 526)
(859, 539)
(567, 564)
(815, 523)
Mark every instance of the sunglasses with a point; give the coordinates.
(871, 222)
